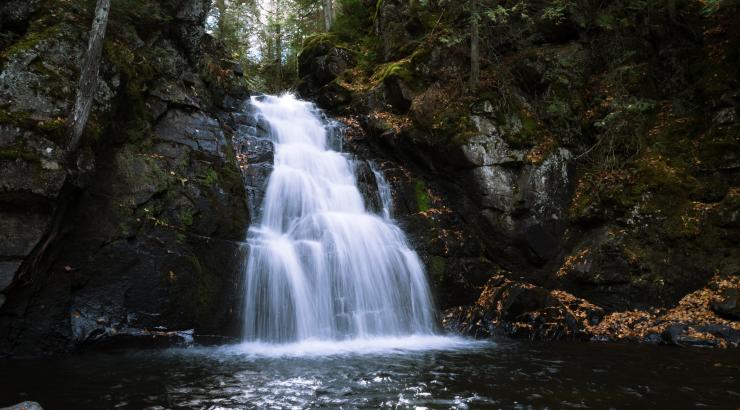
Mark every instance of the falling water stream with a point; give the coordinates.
(322, 267)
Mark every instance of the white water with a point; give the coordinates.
(323, 272)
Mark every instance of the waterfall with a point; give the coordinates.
(321, 266)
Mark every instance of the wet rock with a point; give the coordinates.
(255, 154)
(196, 130)
(368, 185)
(19, 234)
(26, 405)
(727, 303)
(489, 148)
(496, 187)
(7, 273)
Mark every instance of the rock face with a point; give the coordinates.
(575, 166)
(137, 238)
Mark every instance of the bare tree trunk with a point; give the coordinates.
(221, 6)
(328, 14)
(474, 47)
(89, 74)
(279, 58)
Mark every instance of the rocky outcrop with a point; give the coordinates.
(523, 310)
(137, 236)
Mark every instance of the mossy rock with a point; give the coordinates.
(396, 69)
(423, 200)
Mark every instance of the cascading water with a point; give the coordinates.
(321, 266)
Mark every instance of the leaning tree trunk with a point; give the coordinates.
(279, 58)
(328, 14)
(89, 74)
(221, 7)
(474, 46)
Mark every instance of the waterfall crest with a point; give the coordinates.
(321, 266)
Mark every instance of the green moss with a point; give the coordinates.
(398, 69)
(186, 216)
(17, 118)
(521, 130)
(53, 129)
(28, 42)
(318, 39)
(208, 177)
(423, 200)
(14, 152)
(437, 267)
(56, 129)
(206, 292)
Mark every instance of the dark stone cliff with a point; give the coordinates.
(137, 235)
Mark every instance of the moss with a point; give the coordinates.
(521, 130)
(28, 42)
(14, 152)
(16, 118)
(423, 200)
(208, 177)
(395, 69)
(186, 216)
(53, 129)
(316, 40)
(206, 291)
(437, 267)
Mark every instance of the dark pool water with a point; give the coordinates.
(410, 374)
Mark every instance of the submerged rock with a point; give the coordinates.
(26, 405)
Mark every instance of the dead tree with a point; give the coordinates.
(88, 82)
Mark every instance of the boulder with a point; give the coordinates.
(727, 303)
(26, 405)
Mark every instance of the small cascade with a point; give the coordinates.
(321, 266)
(384, 190)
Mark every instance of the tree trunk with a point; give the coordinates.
(278, 58)
(221, 6)
(328, 14)
(89, 74)
(474, 46)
